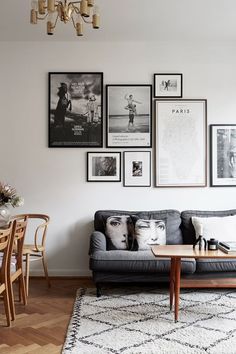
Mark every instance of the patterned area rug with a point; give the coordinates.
(138, 320)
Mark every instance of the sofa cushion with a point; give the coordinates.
(187, 226)
(140, 261)
(215, 265)
(119, 229)
(172, 217)
(221, 228)
(149, 232)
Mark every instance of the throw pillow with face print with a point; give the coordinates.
(149, 232)
(118, 231)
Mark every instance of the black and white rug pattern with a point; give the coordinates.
(138, 320)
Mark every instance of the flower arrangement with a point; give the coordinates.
(8, 196)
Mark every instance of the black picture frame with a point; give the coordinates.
(75, 109)
(137, 168)
(103, 166)
(222, 155)
(168, 85)
(126, 125)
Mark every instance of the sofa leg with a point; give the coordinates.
(99, 291)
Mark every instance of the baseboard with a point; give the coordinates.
(62, 273)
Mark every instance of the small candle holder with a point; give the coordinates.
(202, 243)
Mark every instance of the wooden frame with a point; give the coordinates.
(223, 155)
(129, 116)
(168, 85)
(103, 166)
(137, 168)
(75, 109)
(181, 143)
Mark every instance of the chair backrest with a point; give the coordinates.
(5, 242)
(17, 240)
(41, 229)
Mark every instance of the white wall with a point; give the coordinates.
(53, 181)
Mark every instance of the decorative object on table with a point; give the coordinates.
(223, 155)
(137, 168)
(212, 244)
(129, 115)
(75, 109)
(8, 198)
(181, 143)
(201, 242)
(76, 12)
(103, 166)
(227, 247)
(168, 85)
(138, 320)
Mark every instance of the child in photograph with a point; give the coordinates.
(92, 109)
(132, 112)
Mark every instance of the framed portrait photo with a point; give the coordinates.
(223, 155)
(137, 168)
(168, 85)
(103, 166)
(129, 116)
(181, 143)
(75, 109)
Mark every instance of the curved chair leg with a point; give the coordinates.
(22, 287)
(7, 306)
(45, 269)
(27, 257)
(11, 301)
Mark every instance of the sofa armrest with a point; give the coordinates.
(97, 242)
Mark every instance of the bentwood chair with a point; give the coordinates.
(16, 259)
(36, 251)
(5, 241)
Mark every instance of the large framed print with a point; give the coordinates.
(137, 169)
(168, 85)
(103, 166)
(223, 155)
(129, 116)
(181, 143)
(75, 109)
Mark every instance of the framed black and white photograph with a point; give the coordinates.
(137, 168)
(75, 109)
(223, 155)
(168, 85)
(129, 115)
(181, 143)
(103, 166)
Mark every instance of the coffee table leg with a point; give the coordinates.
(177, 286)
(172, 281)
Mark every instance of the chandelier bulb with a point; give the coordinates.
(96, 21)
(51, 5)
(33, 17)
(42, 7)
(90, 3)
(34, 5)
(50, 28)
(84, 8)
(79, 29)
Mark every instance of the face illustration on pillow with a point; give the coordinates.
(117, 229)
(150, 232)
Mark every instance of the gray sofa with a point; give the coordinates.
(112, 266)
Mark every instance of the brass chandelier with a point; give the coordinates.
(78, 12)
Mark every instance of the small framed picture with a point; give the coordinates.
(168, 85)
(103, 166)
(75, 109)
(137, 168)
(129, 116)
(223, 155)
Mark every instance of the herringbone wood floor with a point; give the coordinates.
(41, 326)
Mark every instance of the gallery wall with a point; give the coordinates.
(52, 180)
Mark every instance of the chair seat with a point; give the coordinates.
(31, 249)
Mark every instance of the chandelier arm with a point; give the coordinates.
(55, 23)
(42, 18)
(73, 21)
(86, 20)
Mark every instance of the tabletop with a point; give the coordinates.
(187, 251)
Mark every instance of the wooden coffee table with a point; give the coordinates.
(176, 253)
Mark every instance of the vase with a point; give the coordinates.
(4, 216)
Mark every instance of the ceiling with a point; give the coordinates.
(131, 20)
